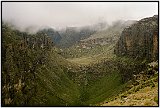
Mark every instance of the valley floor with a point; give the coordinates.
(86, 60)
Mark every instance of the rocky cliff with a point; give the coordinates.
(140, 40)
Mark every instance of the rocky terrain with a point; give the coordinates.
(140, 40)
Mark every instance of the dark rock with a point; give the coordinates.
(140, 40)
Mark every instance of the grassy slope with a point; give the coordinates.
(55, 88)
(144, 94)
(104, 88)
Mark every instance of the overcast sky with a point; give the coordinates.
(62, 14)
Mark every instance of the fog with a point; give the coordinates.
(62, 14)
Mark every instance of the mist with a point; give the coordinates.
(58, 15)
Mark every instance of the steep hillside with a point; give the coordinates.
(143, 91)
(140, 40)
(32, 73)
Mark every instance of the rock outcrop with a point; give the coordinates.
(140, 40)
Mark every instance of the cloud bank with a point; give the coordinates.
(63, 14)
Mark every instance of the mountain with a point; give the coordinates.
(95, 73)
(90, 70)
(109, 35)
(140, 40)
(55, 36)
(73, 34)
(113, 30)
(100, 43)
(33, 73)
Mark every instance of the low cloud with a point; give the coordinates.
(63, 14)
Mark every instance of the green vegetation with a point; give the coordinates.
(106, 79)
(142, 91)
(36, 73)
(32, 72)
(95, 51)
(97, 92)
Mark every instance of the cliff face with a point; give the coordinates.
(140, 40)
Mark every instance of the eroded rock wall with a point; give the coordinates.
(140, 40)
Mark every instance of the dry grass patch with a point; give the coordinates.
(143, 97)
